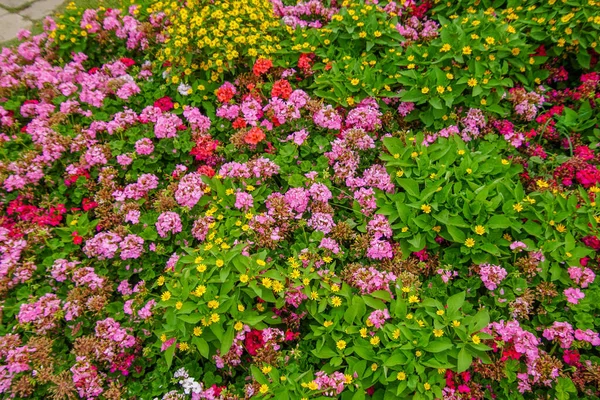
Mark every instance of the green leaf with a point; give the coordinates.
(438, 346)
(498, 222)
(227, 340)
(455, 302)
(410, 186)
(169, 353)
(464, 361)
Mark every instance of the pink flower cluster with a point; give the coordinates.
(168, 222)
(491, 275)
(332, 384)
(369, 280)
(43, 313)
(190, 190)
(378, 318)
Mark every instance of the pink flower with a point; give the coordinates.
(168, 222)
(573, 295)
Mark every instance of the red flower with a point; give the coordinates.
(239, 123)
(371, 390)
(206, 170)
(571, 357)
(328, 66)
(88, 204)
(127, 61)
(254, 136)
(281, 88)
(254, 341)
(92, 71)
(226, 92)
(164, 103)
(76, 238)
(305, 62)
(261, 66)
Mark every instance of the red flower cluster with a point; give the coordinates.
(261, 66)
(254, 341)
(127, 61)
(254, 136)
(205, 148)
(305, 62)
(281, 88)
(164, 103)
(40, 216)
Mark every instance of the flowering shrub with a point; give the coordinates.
(216, 200)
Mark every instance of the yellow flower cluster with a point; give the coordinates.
(215, 36)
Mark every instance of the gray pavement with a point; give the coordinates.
(20, 14)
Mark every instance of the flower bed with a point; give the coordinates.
(222, 200)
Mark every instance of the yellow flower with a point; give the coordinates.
(178, 305)
(377, 33)
(418, 353)
(267, 282)
(219, 263)
(440, 89)
(518, 207)
(348, 379)
(425, 90)
(160, 281)
(200, 290)
(440, 312)
(396, 334)
(314, 295)
(214, 317)
(472, 82)
(405, 229)
(409, 316)
(374, 367)
(455, 323)
(375, 340)
(461, 152)
(341, 344)
(542, 183)
(165, 296)
(327, 324)
(466, 50)
(436, 228)
(414, 154)
(446, 47)
(201, 268)
(197, 331)
(312, 385)
(427, 386)
(426, 208)
(264, 388)
(401, 376)
(266, 369)
(480, 230)
(476, 339)
(183, 346)
(335, 288)
(413, 299)
(505, 162)
(438, 333)
(213, 304)
(470, 242)
(336, 301)
(241, 308)
(244, 278)
(561, 228)
(238, 326)
(515, 51)
(355, 81)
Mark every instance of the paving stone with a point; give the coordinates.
(40, 9)
(10, 25)
(14, 3)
